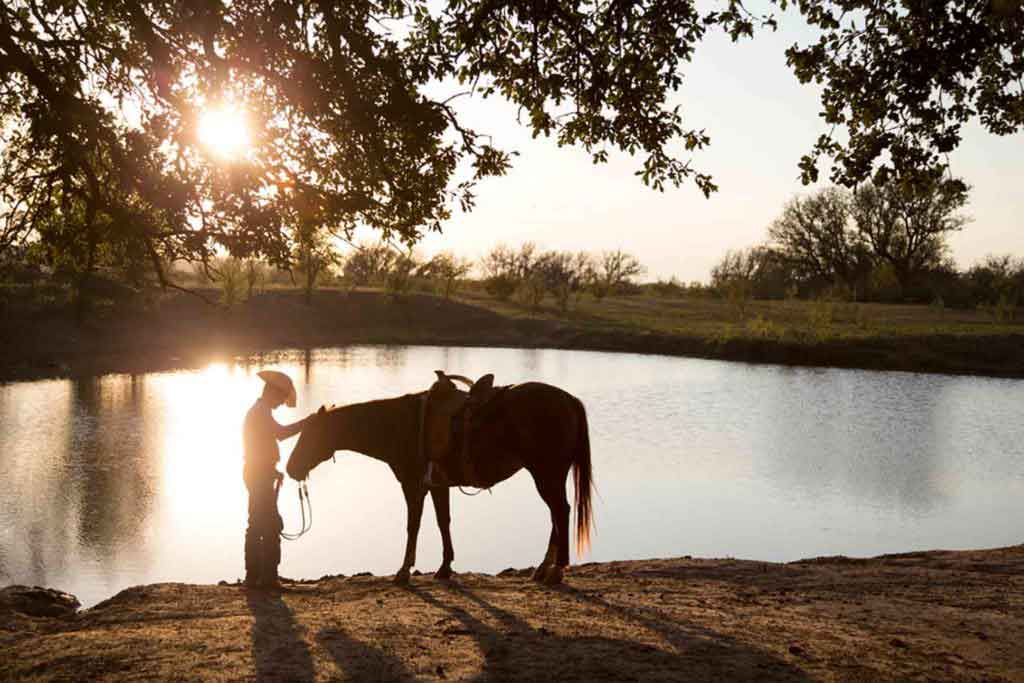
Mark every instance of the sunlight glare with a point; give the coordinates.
(224, 131)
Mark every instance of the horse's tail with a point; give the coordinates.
(583, 483)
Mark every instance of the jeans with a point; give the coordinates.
(262, 537)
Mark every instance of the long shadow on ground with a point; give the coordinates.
(515, 650)
(279, 650)
(359, 661)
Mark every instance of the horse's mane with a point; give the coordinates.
(389, 425)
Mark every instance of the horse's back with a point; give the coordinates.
(541, 391)
(531, 421)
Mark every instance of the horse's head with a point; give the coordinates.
(312, 448)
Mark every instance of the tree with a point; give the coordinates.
(337, 111)
(401, 274)
(369, 264)
(501, 272)
(564, 275)
(314, 256)
(997, 278)
(346, 111)
(901, 79)
(614, 269)
(905, 222)
(446, 268)
(507, 271)
(759, 273)
(255, 275)
(815, 237)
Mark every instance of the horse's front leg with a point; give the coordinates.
(442, 509)
(414, 495)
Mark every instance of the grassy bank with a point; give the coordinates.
(950, 616)
(179, 330)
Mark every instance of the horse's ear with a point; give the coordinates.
(440, 374)
(321, 411)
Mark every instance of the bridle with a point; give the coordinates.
(304, 502)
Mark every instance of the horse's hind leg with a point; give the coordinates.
(549, 556)
(560, 511)
(552, 491)
(442, 509)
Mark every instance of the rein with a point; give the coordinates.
(304, 502)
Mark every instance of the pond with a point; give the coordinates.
(120, 480)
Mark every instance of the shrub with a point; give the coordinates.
(737, 293)
(446, 270)
(765, 329)
(501, 287)
(400, 277)
(532, 290)
(231, 276)
(820, 316)
(614, 271)
(884, 285)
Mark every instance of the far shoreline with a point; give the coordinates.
(186, 333)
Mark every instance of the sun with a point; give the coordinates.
(224, 131)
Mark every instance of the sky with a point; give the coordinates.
(760, 120)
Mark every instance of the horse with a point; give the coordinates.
(533, 425)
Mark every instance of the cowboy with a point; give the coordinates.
(260, 434)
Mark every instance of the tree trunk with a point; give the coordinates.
(311, 274)
(83, 284)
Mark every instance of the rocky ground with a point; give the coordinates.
(942, 616)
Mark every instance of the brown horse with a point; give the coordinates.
(531, 425)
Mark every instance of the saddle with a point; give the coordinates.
(451, 417)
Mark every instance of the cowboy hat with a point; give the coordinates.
(282, 383)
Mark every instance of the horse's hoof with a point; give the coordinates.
(402, 578)
(538, 573)
(443, 574)
(553, 576)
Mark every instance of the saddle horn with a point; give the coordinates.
(458, 378)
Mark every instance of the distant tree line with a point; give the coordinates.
(531, 274)
(880, 242)
(527, 273)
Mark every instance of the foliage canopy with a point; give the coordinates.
(352, 118)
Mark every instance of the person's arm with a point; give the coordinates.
(282, 432)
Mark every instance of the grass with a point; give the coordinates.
(793, 320)
(42, 338)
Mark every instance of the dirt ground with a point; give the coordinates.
(936, 616)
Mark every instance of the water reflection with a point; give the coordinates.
(122, 479)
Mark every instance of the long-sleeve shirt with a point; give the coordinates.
(260, 434)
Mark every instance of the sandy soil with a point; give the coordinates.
(942, 616)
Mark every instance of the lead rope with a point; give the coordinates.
(477, 493)
(304, 502)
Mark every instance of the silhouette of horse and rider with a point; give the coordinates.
(432, 440)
